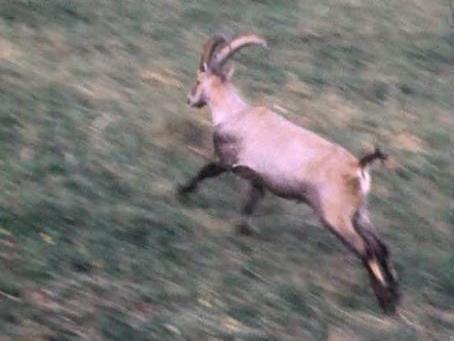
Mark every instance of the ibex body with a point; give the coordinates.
(274, 154)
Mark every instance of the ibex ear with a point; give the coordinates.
(229, 71)
(205, 67)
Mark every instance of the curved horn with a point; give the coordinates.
(208, 49)
(240, 41)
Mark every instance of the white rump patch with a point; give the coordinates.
(365, 181)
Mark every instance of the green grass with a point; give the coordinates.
(95, 134)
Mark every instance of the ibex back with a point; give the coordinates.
(271, 153)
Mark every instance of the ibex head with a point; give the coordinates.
(216, 52)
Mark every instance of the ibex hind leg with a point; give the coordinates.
(377, 262)
(340, 218)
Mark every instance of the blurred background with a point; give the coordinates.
(95, 133)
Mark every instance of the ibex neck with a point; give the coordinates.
(225, 103)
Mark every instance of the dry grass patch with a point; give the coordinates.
(8, 51)
(409, 142)
(163, 76)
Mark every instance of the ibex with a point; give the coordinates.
(271, 153)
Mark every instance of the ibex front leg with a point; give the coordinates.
(254, 192)
(210, 170)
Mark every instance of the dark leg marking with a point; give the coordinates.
(210, 170)
(387, 293)
(247, 174)
(255, 193)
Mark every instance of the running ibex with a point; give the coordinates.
(274, 154)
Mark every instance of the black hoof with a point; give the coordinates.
(245, 229)
(388, 298)
(182, 192)
(390, 306)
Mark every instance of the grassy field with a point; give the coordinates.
(95, 134)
